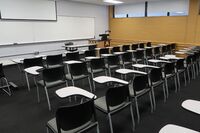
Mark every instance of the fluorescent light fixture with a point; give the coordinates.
(113, 1)
(179, 12)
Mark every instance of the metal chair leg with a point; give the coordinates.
(47, 95)
(132, 117)
(137, 110)
(166, 88)
(151, 101)
(27, 81)
(165, 97)
(185, 78)
(153, 95)
(7, 85)
(175, 82)
(38, 93)
(110, 123)
(90, 84)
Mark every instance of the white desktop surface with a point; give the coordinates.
(106, 55)
(72, 62)
(79, 45)
(106, 79)
(33, 70)
(158, 61)
(72, 90)
(170, 128)
(191, 105)
(144, 66)
(129, 71)
(91, 57)
(131, 50)
(119, 53)
(18, 60)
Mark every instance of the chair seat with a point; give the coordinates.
(53, 66)
(100, 103)
(97, 70)
(76, 77)
(112, 66)
(169, 75)
(157, 83)
(53, 126)
(138, 93)
(51, 84)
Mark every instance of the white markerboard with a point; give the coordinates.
(28, 9)
(65, 28)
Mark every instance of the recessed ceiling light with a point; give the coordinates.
(113, 1)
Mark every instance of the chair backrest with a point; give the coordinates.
(1, 71)
(125, 47)
(164, 49)
(169, 48)
(141, 45)
(116, 96)
(139, 54)
(54, 59)
(116, 49)
(78, 69)
(72, 56)
(53, 74)
(173, 46)
(104, 51)
(149, 52)
(97, 63)
(140, 83)
(156, 74)
(30, 62)
(148, 44)
(113, 60)
(189, 59)
(90, 53)
(71, 117)
(180, 64)
(134, 46)
(157, 50)
(169, 68)
(127, 57)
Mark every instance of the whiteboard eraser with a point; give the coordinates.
(15, 43)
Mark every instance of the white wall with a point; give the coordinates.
(67, 9)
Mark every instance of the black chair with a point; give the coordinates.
(78, 71)
(72, 56)
(74, 119)
(115, 100)
(31, 62)
(148, 44)
(3, 77)
(97, 66)
(164, 50)
(189, 67)
(169, 50)
(113, 63)
(68, 48)
(127, 60)
(139, 56)
(104, 51)
(149, 54)
(180, 68)
(88, 53)
(169, 72)
(116, 49)
(54, 61)
(141, 45)
(125, 47)
(140, 88)
(156, 79)
(156, 52)
(134, 46)
(52, 77)
(173, 47)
